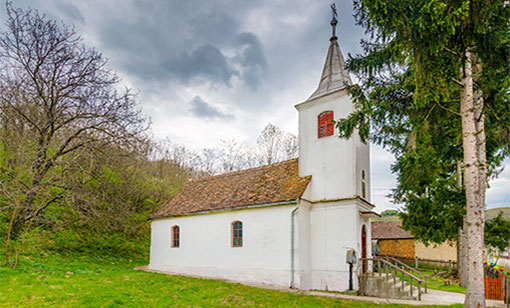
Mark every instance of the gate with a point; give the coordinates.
(497, 283)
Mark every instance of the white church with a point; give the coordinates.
(288, 224)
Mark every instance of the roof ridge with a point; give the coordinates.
(232, 173)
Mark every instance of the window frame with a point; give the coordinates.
(239, 237)
(175, 239)
(325, 126)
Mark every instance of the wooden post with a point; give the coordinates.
(508, 291)
(449, 266)
(416, 262)
(419, 291)
(402, 278)
(411, 286)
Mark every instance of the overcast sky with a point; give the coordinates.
(212, 70)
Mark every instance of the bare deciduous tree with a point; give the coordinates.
(274, 145)
(290, 147)
(63, 102)
(234, 155)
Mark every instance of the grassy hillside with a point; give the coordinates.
(491, 213)
(75, 280)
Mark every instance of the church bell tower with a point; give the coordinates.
(339, 167)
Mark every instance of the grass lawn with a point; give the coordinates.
(438, 284)
(74, 281)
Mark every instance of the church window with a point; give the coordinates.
(175, 236)
(326, 126)
(237, 234)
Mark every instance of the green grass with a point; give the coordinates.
(77, 281)
(436, 283)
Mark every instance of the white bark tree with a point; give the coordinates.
(475, 186)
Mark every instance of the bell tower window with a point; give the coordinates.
(325, 124)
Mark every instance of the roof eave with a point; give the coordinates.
(228, 209)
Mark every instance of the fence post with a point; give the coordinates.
(416, 262)
(508, 291)
(449, 266)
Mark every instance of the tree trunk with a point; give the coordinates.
(462, 255)
(475, 295)
(21, 218)
(480, 136)
(40, 169)
(461, 240)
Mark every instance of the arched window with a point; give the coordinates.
(175, 239)
(237, 234)
(325, 124)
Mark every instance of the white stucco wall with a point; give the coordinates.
(323, 232)
(335, 164)
(205, 245)
(362, 159)
(327, 231)
(303, 274)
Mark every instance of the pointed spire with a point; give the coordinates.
(334, 74)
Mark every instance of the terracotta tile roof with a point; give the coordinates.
(383, 230)
(268, 184)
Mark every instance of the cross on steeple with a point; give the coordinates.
(334, 74)
(334, 21)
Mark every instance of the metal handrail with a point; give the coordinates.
(392, 269)
(410, 268)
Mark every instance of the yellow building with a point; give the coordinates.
(397, 242)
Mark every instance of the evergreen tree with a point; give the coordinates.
(497, 234)
(436, 78)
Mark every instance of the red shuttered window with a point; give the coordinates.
(237, 234)
(175, 236)
(325, 124)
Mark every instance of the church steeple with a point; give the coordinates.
(334, 74)
(339, 167)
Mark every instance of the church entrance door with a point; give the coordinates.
(363, 249)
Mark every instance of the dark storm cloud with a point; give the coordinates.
(202, 109)
(206, 61)
(183, 41)
(252, 59)
(213, 25)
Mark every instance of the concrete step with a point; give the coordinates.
(383, 287)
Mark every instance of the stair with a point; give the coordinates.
(380, 286)
(384, 279)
